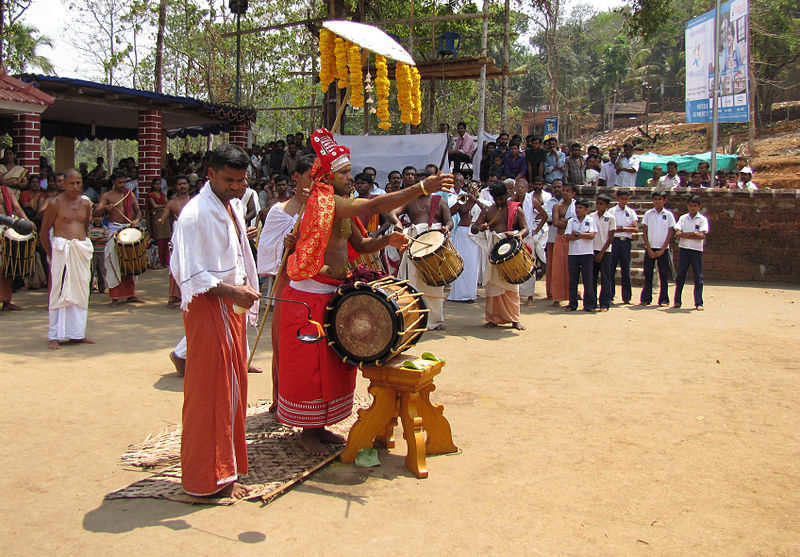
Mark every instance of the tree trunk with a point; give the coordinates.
(159, 64)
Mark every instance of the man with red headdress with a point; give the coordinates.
(315, 388)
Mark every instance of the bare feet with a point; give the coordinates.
(699, 308)
(309, 440)
(254, 369)
(437, 328)
(53, 345)
(529, 301)
(518, 326)
(569, 309)
(490, 325)
(84, 340)
(233, 489)
(327, 436)
(556, 304)
(179, 363)
(135, 300)
(8, 306)
(676, 306)
(115, 302)
(273, 407)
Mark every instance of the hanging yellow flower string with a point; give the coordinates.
(382, 92)
(354, 63)
(340, 49)
(327, 45)
(416, 97)
(402, 75)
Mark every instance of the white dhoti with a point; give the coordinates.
(527, 288)
(113, 272)
(465, 287)
(70, 272)
(433, 295)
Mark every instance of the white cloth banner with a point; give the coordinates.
(393, 152)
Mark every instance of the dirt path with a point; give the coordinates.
(638, 430)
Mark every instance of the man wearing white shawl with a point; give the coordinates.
(536, 217)
(215, 270)
(70, 252)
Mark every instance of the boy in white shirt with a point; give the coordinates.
(657, 230)
(580, 233)
(691, 230)
(627, 222)
(606, 226)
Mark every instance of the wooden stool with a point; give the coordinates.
(403, 393)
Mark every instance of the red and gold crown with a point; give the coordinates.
(331, 156)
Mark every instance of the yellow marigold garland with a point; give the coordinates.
(416, 97)
(340, 49)
(354, 63)
(402, 75)
(382, 92)
(327, 41)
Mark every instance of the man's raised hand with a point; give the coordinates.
(441, 182)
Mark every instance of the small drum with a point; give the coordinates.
(17, 254)
(368, 323)
(369, 260)
(132, 251)
(514, 262)
(435, 258)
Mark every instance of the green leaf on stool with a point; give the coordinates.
(367, 457)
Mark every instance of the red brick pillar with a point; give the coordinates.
(27, 135)
(149, 150)
(240, 135)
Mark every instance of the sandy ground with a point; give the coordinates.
(636, 431)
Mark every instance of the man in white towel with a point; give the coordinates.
(465, 288)
(70, 251)
(536, 217)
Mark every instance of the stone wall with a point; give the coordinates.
(754, 236)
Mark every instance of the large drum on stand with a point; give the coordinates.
(17, 253)
(368, 323)
(435, 258)
(132, 251)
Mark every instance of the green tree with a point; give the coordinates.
(20, 42)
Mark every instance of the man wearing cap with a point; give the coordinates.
(315, 388)
(746, 179)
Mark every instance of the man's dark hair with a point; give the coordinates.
(673, 163)
(659, 193)
(371, 168)
(457, 173)
(181, 177)
(603, 197)
(432, 168)
(498, 189)
(581, 202)
(578, 145)
(407, 168)
(535, 138)
(462, 124)
(514, 143)
(395, 172)
(694, 199)
(156, 181)
(363, 177)
(231, 156)
(304, 163)
(623, 191)
(114, 175)
(627, 144)
(281, 178)
(573, 187)
(593, 147)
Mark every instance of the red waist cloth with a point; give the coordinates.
(125, 289)
(213, 449)
(315, 388)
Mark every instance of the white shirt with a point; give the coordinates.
(625, 218)
(748, 186)
(688, 224)
(592, 175)
(667, 182)
(581, 247)
(658, 225)
(548, 208)
(605, 227)
(486, 197)
(628, 179)
(609, 173)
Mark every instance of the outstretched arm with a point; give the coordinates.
(346, 208)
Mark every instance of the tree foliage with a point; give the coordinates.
(20, 42)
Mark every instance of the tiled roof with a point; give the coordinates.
(14, 90)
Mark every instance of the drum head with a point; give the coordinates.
(129, 235)
(12, 234)
(504, 250)
(426, 244)
(364, 325)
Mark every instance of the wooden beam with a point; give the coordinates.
(275, 27)
(429, 19)
(307, 107)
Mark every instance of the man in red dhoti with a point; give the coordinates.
(122, 209)
(315, 389)
(499, 221)
(214, 267)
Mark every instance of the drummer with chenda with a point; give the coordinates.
(315, 387)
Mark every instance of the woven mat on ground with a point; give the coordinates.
(275, 458)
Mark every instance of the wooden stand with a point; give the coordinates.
(403, 393)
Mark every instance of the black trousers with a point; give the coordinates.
(663, 276)
(458, 159)
(582, 267)
(605, 272)
(621, 255)
(694, 259)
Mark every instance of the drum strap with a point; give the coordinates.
(435, 200)
(7, 201)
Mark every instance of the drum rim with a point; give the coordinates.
(434, 252)
(510, 239)
(390, 303)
